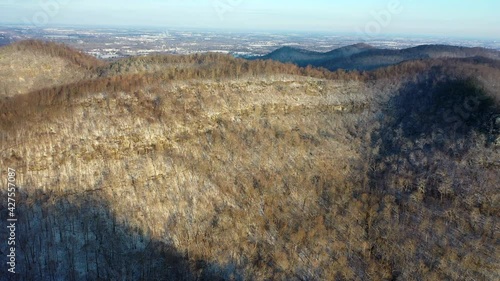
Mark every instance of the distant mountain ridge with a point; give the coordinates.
(366, 57)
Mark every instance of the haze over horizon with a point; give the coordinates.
(205, 140)
(371, 18)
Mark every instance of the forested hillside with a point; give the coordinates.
(30, 65)
(363, 57)
(207, 167)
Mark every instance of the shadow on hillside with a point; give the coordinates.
(77, 238)
(426, 130)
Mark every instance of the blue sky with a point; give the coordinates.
(376, 17)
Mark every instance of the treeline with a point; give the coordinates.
(214, 65)
(453, 67)
(134, 73)
(211, 66)
(60, 50)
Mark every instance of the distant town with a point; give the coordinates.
(111, 43)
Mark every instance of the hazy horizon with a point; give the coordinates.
(365, 18)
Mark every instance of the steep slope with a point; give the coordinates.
(32, 65)
(207, 168)
(223, 169)
(435, 162)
